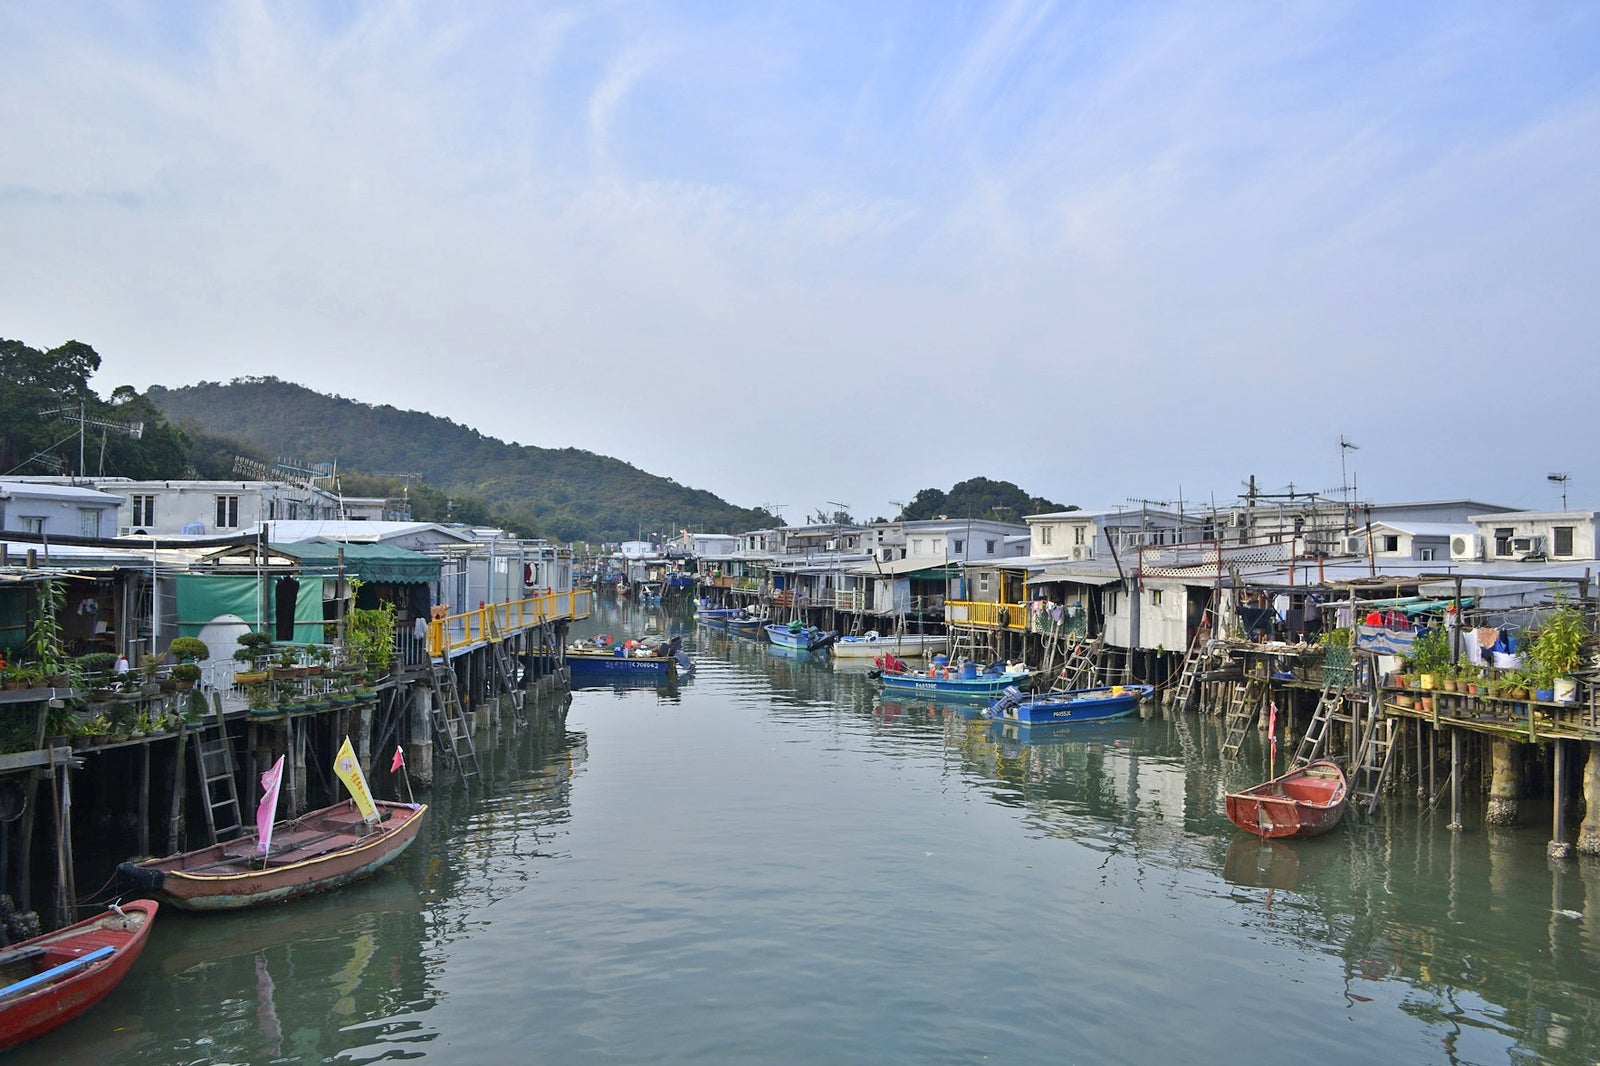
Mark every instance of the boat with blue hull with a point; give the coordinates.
(1073, 705)
(965, 681)
(800, 638)
(606, 662)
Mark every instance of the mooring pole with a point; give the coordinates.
(1558, 848)
(1455, 781)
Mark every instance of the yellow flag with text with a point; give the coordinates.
(348, 767)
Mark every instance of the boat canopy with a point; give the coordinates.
(372, 563)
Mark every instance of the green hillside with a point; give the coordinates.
(565, 494)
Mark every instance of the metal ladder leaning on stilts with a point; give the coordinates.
(1081, 665)
(213, 764)
(450, 732)
(507, 670)
(1242, 709)
(1330, 709)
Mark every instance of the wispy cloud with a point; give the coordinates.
(1218, 236)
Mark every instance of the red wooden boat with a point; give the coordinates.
(1304, 802)
(55, 977)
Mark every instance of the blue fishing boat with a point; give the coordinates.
(965, 680)
(748, 625)
(800, 638)
(1073, 705)
(606, 661)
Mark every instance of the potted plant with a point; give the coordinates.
(1557, 650)
(1430, 655)
(188, 649)
(44, 636)
(186, 674)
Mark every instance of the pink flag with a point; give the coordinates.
(398, 762)
(1272, 732)
(267, 812)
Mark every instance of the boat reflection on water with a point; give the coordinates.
(1256, 862)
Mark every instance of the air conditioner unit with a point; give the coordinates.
(123, 531)
(1526, 545)
(1466, 547)
(1077, 551)
(1356, 545)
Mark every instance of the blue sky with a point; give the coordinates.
(800, 253)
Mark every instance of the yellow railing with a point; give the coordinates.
(494, 620)
(978, 613)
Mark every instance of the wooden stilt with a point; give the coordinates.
(175, 817)
(144, 798)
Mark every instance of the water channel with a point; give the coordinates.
(773, 864)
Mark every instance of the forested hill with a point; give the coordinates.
(565, 494)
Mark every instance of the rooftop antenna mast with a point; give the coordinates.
(1345, 484)
(1560, 479)
(76, 413)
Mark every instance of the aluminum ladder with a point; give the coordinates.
(450, 732)
(1242, 709)
(507, 670)
(1330, 709)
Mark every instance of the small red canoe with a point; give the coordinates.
(55, 977)
(1302, 803)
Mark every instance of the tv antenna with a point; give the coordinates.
(76, 413)
(1560, 479)
(1345, 484)
(774, 509)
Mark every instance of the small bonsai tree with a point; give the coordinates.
(189, 649)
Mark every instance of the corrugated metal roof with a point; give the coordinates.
(1077, 573)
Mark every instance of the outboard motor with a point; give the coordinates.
(1010, 697)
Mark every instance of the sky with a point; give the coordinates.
(822, 254)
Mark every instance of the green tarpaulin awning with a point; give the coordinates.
(372, 563)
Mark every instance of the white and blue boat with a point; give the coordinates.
(1072, 705)
(800, 638)
(965, 680)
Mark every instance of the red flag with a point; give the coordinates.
(399, 760)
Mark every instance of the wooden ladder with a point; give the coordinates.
(1194, 665)
(213, 765)
(1330, 708)
(450, 732)
(1372, 765)
(1242, 709)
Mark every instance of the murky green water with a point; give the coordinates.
(775, 865)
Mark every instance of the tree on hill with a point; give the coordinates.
(979, 497)
(43, 395)
(562, 493)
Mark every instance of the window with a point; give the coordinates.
(1155, 597)
(89, 521)
(916, 545)
(1044, 535)
(1563, 541)
(1502, 540)
(983, 582)
(1391, 542)
(988, 547)
(32, 524)
(144, 510)
(1077, 534)
(1111, 603)
(1425, 555)
(956, 546)
(227, 512)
